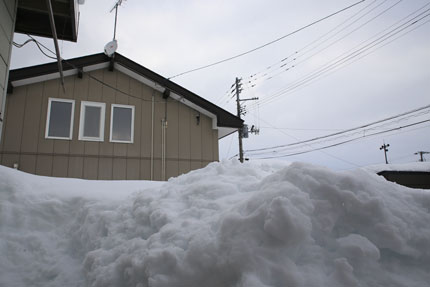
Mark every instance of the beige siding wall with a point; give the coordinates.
(7, 22)
(191, 142)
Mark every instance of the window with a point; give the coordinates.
(122, 123)
(92, 122)
(59, 122)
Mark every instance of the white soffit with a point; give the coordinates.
(56, 75)
(43, 78)
(223, 131)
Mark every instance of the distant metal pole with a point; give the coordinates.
(238, 114)
(385, 148)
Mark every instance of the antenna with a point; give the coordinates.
(112, 46)
(115, 7)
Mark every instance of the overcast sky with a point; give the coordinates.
(170, 37)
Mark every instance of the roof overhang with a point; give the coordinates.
(32, 18)
(225, 122)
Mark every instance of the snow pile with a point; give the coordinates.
(225, 225)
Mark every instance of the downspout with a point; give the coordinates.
(162, 149)
(152, 137)
(163, 143)
(166, 95)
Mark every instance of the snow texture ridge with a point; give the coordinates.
(228, 224)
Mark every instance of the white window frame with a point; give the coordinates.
(48, 118)
(101, 136)
(132, 123)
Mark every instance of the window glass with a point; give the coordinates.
(122, 123)
(92, 121)
(60, 119)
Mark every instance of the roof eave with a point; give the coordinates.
(224, 118)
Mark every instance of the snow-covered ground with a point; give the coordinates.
(228, 224)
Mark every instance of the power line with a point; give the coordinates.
(331, 139)
(266, 44)
(344, 131)
(337, 68)
(289, 68)
(298, 53)
(333, 64)
(345, 142)
(307, 78)
(323, 152)
(39, 45)
(299, 129)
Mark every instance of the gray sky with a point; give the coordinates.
(170, 37)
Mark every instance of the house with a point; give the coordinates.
(115, 120)
(413, 179)
(32, 17)
(413, 175)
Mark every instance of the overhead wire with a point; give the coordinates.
(40, 45)
(37, 44)
(266, 44)
(336, 62)
(317, 70)
(344, 131)
(334, 70)
(299, 52)
(340, 137)
(345, 142)
(323, 152)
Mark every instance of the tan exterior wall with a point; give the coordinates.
(189, 144)
(7, 22)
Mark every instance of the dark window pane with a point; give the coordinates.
(59, 119)
(121, 124)
(92, 121)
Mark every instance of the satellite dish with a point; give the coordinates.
(111, 47)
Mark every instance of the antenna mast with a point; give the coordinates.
(117, 4)
(112, 46)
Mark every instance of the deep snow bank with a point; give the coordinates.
(225, 225)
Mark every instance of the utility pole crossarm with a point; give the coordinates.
(250, 99)
(385, 148)
(421, 153)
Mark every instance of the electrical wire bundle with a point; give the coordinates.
(387, 125)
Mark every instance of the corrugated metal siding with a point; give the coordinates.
(7, 22)
(190, 144)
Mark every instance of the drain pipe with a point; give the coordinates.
(166, 95)
(152, 136)
(163, 150)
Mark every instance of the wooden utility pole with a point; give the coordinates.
(385, 148)
(421, 154)
(239, 112)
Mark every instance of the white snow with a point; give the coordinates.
(256, 224)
